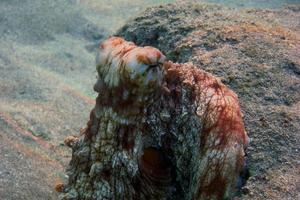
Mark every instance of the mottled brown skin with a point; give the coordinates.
(176, 136)
(222, 137)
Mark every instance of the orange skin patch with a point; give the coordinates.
(143, 59)
(112, 42)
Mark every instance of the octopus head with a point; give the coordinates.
(144, 65)
(122, 63)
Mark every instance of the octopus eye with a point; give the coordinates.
(152, 66)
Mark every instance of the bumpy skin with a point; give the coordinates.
(218, 154)
(159, 130)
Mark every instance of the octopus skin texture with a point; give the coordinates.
(159, 130)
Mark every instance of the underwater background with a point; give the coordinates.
(47, 73)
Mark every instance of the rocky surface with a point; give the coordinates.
(256, 53)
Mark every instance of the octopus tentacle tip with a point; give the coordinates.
(70, 141)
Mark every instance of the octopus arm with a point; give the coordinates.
(223, 139)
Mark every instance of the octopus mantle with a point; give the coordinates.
(159, 130)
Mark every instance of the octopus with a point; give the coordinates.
(159, 130)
